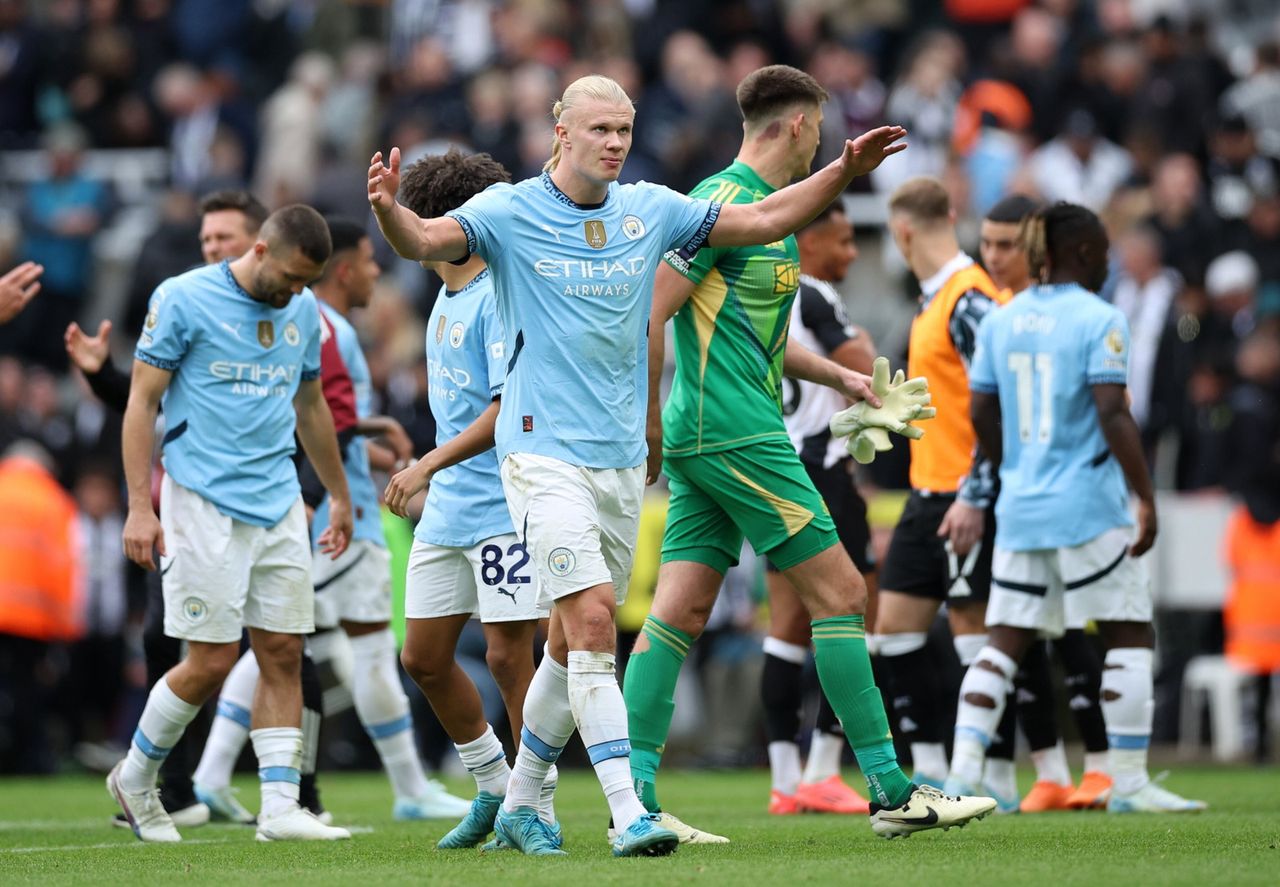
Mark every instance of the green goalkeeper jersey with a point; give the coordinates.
(731, 334)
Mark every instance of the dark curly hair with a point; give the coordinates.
(1067, 238)
(434, 185)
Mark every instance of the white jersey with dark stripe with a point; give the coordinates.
(819, 323)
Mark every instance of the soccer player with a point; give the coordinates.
(232, 351)
(1005, 258)
(354, 591)
(1050, 410)
(733, 472)
(819, 323)
(573, 255)
(940, 551)
(467, 560)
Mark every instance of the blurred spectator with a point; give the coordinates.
(210, 141)
(1232, 283)
(291, 128)
(1145, 293)
(1238, 173)
(39, 600)
(60, 217)
(20, 75)
(1080, 165)
(1257, 98)
(1251, 617)
(924, 101)
(856, 104)
(1187, 227)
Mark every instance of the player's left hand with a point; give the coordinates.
(962, 525)
(337, 536)
(896, 404)
(1146, 529)
(867, 151)
(405, 485)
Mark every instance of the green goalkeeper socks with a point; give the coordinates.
(649, 690)
(840, 648)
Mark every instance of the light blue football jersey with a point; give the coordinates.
(366, 510)
(1042, 352)
(466, 368)
(236, 365)
(574, 286)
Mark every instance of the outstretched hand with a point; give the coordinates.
(87, 352)
(384, 181)
(867, 151)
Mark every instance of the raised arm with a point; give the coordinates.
(412, 237)
(315, 430)
(473, 440)
(1125, 443)
(142, 531)
(786, 211)
(671, 290)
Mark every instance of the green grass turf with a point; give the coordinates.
(56, 830)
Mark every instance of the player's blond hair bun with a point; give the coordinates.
(592, 86)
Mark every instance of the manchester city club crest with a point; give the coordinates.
(1115, 342)
(291, 334)
(266, 333)
(632, 228)
(440, 329)
(152, 320)
(561, 561)
(195, 609)
(593, 231)
(456, 333)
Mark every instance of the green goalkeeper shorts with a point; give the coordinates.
(759, 492)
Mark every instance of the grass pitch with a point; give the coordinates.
(56, 830)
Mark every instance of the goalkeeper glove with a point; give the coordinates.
(903, 401)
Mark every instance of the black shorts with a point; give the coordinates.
(848, 512)
(918, 563)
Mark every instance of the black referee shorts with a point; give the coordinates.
(919, 564)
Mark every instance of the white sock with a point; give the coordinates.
(1001, 777)
(1051, 764)
(383, 709)
(230, 728)
(164, 718)
(547, 797)
(825, 750)
(601, 716)
(486, 762)
(1096, 762)
(784, 766)
(929, 759)
(279, 751)
(548, 724)
(975, 725)
(1126, 676)
(968, 646)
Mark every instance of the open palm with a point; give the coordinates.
(867, 151)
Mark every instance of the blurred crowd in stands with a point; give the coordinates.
(116, 115)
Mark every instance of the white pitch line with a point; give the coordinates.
(112, 845)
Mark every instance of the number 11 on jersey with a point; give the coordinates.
(1026, 368)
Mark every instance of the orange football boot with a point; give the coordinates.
(782, 805)
(831, 795)
(1045, 796)
(1092, 794)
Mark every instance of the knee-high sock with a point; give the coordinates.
(1128, 706)
(913, 690)
(486, 762)
(312, 718)
(780, 691)
(1083, 678)
(548, 724)
(230, 730)
(999, 776)
(601, 716)
(383, 709)
(279, 751)
(163, 719)
(650, 699)
(976, 724)
(827, 744)
(844, 669)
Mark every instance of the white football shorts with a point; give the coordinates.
(1059, 588)
(492, 580)
(354, 588)
(580, 524)
(222, 575)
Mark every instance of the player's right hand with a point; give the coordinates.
(87, 352)
(405, 485)
(142, 536)
(337, 536)
(384, 181)
(1147, 526)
